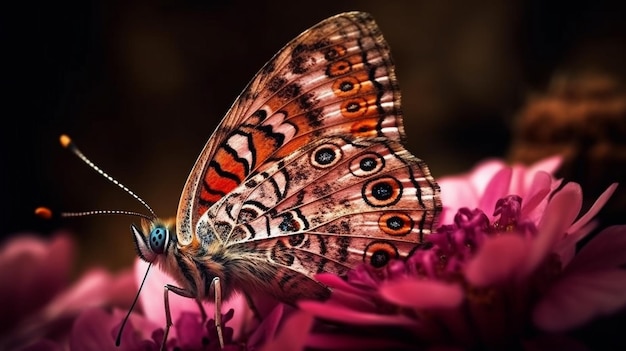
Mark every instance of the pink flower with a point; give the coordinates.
(470, 190)
(39, 303)
(592, 285)
(504, 274)
(96, 329)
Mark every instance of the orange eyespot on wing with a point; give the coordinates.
(396, 223)
(379, 253)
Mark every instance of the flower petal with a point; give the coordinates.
(577, 298)
(537, 192)
(480, 175)
(422, 293)
(497, 260)
(550, 165)
(93, 331)
(32, 271)
(43, 345)
(334, 281)
(606, 250)
(293, 335)
(465, 190)
(554, 342)
(338, 314)
(455, 194)
(189, 331)
(497, 188)
(560, 213)
(352, 300)
(269, 326)
(593, 211)
(355, 342)
(95, 288)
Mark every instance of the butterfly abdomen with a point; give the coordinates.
(194, 272)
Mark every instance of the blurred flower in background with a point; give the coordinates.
(581, 117)
(42, 310)
(39, 304)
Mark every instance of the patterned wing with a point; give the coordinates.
(331, 205)
(337, 78)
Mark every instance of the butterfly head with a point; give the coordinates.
(153, 239)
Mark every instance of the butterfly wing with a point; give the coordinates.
(337, 78)
(327, 207)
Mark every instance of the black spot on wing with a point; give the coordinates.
(268, 68)
(290, 91)
(299, 64)
(276, 83)
(321, 266)
(343, 243)
(260, 114)
(307, 101)
(322, 244)
(314, 116)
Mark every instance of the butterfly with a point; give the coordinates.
(306, 173)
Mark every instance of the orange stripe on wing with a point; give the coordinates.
(223, 174)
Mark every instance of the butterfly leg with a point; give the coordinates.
(168, 315)
(216, 287)
(247, 320)
(255, 311)
(203, 314)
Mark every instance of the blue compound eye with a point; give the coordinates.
(158, 239)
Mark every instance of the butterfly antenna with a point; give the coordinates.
(118, 340)
(46, 213)
(67, 143)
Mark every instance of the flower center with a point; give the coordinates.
(455, 244)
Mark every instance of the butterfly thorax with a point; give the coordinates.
(192, 265)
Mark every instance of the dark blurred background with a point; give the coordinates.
(140, 86)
